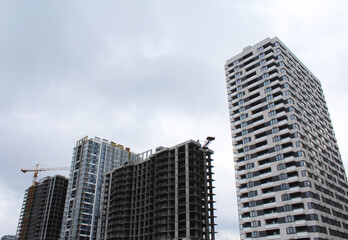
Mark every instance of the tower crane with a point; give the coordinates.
(208, 141)
(37, 170)
(23, 223)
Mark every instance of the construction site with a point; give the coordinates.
(42, 209)
(168, 195)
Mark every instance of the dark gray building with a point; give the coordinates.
(44, 216)
(9, 237)
(291, 182)
(168, 195)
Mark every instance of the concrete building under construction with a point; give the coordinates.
(166, 195)
(92, 158)
(41, 218)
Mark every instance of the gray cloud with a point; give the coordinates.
(143, 74)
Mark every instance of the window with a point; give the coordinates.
(313, 216)
(267, 90)
(287, 208)
(244, 124)
(261, 55)
(255, 234)
(247, 157)
(244, 132)
(280, 57)
(238, 81)
(307, 184)
(255, 223)
(263, 62)
(260, 49)
(249, 175)
(284, 186)
(289, 100)
(242, 109)
(279, 157)
(291, 230)
(278, 148)
(276, 139)
(250, 184)
(246, 149)
(300, 153)
(236, 69)
(284, 78)
(270, 105)
(272, 113)
(273, 121)
(266, 82)
(298, 144)
(275, 130)
(283, 176)
(286, 197)
(265, 75)
(281, 166)
(237, 75)
(235, 63)
(239, 88)
(252, 203)
(291, 109)
(240, 95)
(293, 117)
(281, 64)
(287, 92)
(285, 85)
(249, 165)
(295, 126)
(263, 69)
(240, 102)
(246, 140)
(278, 50)
(282, 70)
(270, 97)
(304, 173)
(244, 116)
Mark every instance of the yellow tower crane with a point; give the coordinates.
(23, 224)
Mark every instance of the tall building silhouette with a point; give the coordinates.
(92, 158)
(291, 183)
(167, 195)
(44, 215)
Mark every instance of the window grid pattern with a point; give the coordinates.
(286, 121)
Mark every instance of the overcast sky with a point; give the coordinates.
(144, 74)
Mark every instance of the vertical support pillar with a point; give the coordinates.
(187, 190)
(176, 235)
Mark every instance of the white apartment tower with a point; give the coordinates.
(291, 183)
(92, 158)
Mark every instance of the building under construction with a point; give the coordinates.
(167, 195)
(42, 213)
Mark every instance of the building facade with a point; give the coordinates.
(168, 195)
(45, 213)
(92, 158)
(9, 237)
(291, 183)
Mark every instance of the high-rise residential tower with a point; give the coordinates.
(42, 218)
(167, 195)
(92, 158)
(291, 183)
